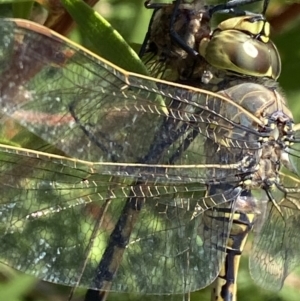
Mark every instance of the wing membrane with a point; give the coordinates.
(95, 112)
(48, 213)
(275, 249)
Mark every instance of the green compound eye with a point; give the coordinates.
(242, 45)
(253, 25)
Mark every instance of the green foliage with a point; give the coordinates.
(102, 36)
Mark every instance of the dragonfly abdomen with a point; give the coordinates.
(225, 285)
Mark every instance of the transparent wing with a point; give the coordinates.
(94, 111)
(59, 218)
(134, 196)
(275, 251)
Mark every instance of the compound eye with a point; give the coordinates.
(255, 26)
(241, 53)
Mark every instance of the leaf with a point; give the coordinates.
(108, 42)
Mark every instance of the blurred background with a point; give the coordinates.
(130, 18)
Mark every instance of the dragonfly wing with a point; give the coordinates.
(94, 111)
(144, 153)
(57, 221)
(188, 247)
(275, 250)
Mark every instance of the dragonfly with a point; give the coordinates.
(108, 188)
(173, 56)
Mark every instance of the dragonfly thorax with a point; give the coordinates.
(269, 164)
(273, 154)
